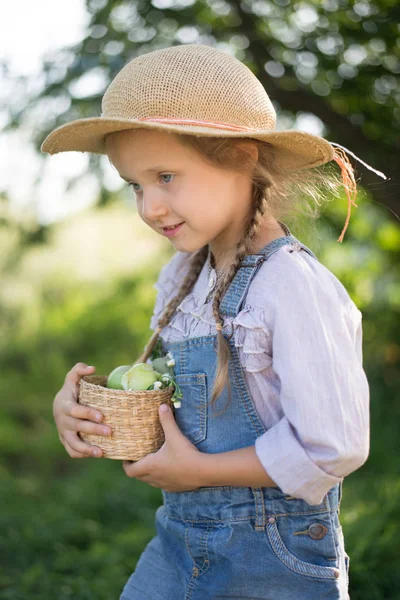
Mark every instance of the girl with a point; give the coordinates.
(266, 340)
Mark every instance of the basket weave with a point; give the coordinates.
(132, 416)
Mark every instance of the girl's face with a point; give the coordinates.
(173, 184)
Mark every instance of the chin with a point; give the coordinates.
(185, 245)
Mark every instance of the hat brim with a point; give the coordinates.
(296, 149)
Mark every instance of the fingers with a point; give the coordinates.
(138, 468)
(72, 424)
(140, 472)
(129, 468)
(74, 445)
(77, 448)
(72, 417)
(78, 411)
(77, 372)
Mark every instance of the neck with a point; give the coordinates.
(212, 262)
(265, 236)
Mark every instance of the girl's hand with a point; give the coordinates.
(175, 467)
(71, 417)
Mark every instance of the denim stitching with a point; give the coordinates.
(259, 503)
(246, 284)
(241, 385)
(256, 525)
(243, 392)
(196, 571)
(249, 517)
(242, 280)
(200, 385)
(187, 544)
(204, 406)
(264, 518)
(332, 533)
(293, 563)
(204, 548)
(190, 588)
(183, 360)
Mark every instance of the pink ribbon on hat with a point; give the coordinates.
(179, 121)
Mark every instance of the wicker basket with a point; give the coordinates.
(131, 415)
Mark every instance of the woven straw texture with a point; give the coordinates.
(193, 89)
(131, 415)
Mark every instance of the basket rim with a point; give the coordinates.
(155, 393)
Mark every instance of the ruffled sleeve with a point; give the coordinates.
(253, 338)
(323, 434)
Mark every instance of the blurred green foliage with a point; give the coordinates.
(64, 522)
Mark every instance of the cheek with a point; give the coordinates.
(139, 204)
(206, 218)
(139, 208)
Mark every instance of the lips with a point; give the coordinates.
(172, 226)
(174, 231)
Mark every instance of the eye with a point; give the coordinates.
(167, 175)
(132, 185)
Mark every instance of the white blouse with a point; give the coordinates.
(299, 336)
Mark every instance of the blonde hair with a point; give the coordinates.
(275, 193)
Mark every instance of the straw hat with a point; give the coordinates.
(193, 89)
(199, 90)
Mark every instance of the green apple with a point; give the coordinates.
(114, 378)
(139, 377)
(160, 365)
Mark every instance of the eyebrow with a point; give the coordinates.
(153, 170)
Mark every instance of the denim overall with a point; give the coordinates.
(231, 542)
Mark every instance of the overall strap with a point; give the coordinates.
(236, 293)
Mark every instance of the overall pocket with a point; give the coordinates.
(305, 544)
(191, 417)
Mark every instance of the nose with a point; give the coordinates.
(152, 206)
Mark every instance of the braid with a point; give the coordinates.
(196, 264)
(243, 248)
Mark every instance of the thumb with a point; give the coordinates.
(166, 417)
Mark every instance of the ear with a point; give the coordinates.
(250, 148)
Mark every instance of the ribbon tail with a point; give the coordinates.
(360, 161)
(349, 183)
